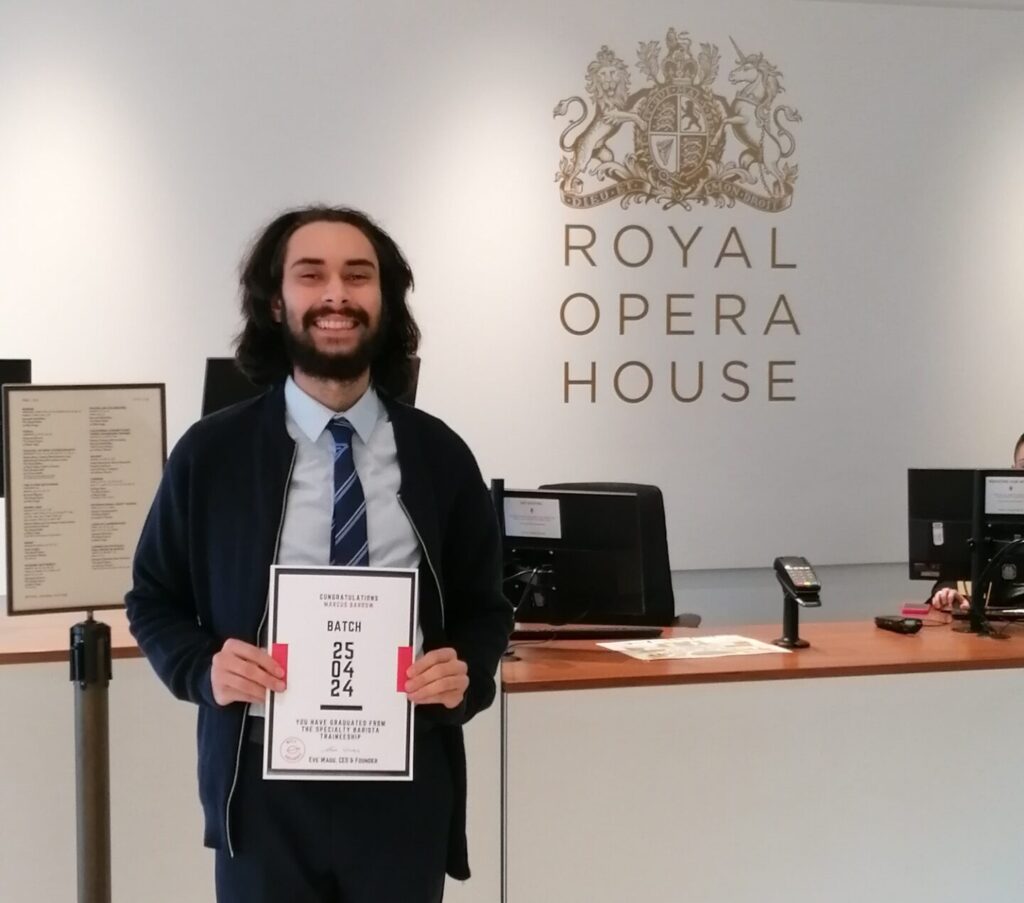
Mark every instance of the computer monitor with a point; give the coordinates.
(958, 521)
(225, 385)
(997, 538)
(940, 513)
(12, 371)
(580, 556)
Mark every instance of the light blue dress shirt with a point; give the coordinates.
(306, 534)
(306, 531)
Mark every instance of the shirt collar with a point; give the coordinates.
(312, 417)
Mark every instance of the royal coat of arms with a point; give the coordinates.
(690, 143)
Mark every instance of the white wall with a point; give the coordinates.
(752, 596)
(147, 143)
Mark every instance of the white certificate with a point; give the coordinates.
(345, 637)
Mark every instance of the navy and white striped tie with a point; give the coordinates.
(349, 546)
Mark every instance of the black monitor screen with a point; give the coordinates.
(998, 534)
(577, 557)
(940, 506)
(11, 372)
(225, 385)
(948, 510)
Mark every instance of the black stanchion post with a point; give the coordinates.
(91, 674)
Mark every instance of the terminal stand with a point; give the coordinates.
(91, 673)
(800, 587)
(790, 638)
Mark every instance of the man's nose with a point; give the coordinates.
(334, 291)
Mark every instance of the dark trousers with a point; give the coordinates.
(339, 841)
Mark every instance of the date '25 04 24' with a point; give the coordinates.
(342, 670)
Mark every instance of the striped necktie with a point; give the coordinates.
(349, 545)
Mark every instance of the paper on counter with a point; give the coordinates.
(692, 647)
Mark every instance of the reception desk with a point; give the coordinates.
(157, 854)
(47, 638)
(870, 767)
(156, 827)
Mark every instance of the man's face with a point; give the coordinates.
(330, 301)
(1018, 458)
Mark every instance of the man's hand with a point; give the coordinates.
(437, 677)
(243, 673)
(949, 600)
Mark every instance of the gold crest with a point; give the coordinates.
(683, 131)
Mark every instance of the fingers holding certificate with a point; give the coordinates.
(242, 672)
(346, 636)
(438, 677)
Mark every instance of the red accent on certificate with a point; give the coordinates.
(404, 663)
(279, 653)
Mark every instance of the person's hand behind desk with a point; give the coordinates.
(948, 599)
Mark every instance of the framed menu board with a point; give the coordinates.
(82, 467)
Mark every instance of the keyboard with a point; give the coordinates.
(586, 632)
(994, 614)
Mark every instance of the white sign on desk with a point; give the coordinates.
(345, 638)
(537, 518)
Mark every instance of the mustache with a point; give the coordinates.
(356, 313)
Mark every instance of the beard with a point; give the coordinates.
(341, 366)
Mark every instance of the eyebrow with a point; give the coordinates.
(318, 261)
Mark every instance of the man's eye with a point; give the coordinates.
(357, 277)
(308, 276)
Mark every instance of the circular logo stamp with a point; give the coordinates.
(293, 749)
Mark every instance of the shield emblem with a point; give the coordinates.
(677, 135)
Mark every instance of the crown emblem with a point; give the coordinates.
(691, 145)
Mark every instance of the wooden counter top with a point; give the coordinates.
(46, 638)
(837, 650)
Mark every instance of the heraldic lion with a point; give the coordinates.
(608, 87)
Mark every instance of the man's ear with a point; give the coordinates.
(277, 309)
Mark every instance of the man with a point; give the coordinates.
(947, 596)
(327, 325)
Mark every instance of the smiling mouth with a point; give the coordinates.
(336, 323)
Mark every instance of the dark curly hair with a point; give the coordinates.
(259, 347)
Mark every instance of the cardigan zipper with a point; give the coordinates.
(426, 554)
(259, 630)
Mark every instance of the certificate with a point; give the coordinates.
(345, 639)
(83, 464)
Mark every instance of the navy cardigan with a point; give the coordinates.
(202, 569)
